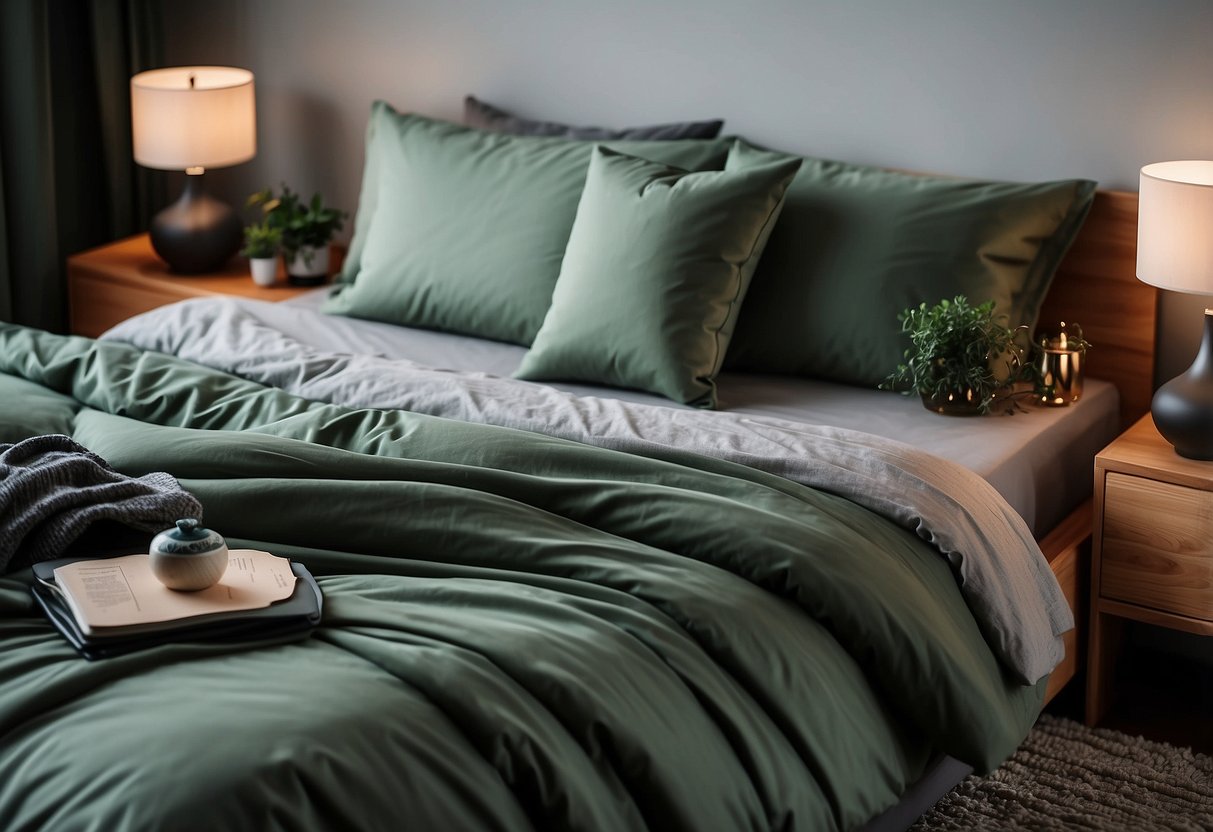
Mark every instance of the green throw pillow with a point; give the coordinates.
(856, 245)
(463, 230)
(656, 269)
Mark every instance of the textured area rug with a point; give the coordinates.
(1067, 776)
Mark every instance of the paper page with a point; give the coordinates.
(119, 592)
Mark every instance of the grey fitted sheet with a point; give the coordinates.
(1040, 461)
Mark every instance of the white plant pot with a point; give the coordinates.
(264, 270)
(309, 266)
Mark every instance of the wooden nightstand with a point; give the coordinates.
(109, 284)
(1152, 554)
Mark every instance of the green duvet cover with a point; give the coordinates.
(520, 632)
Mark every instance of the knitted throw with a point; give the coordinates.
(52, 489)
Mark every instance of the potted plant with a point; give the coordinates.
(961, 358)
(261, 241)
(306, 228)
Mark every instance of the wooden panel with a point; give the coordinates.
(1072, 533)
(109, 284)
(1158, 545)
(1066, 548)
(1066, 568)
(1097, 286)
(1141, 450)
(96, 305)
(1103, 650)
(1118, 610)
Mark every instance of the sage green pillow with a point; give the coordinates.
(856, 245)
(463, 230)
(656, 269)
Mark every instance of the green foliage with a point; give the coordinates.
(298, 222)
(955, 347)
(1074, 340)
(261, 240)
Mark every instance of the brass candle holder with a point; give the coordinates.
(1060, 365)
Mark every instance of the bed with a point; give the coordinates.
(579, 612)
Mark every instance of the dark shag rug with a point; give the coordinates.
(1068, 776)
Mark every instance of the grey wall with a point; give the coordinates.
(1019, 89)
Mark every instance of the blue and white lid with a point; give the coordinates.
(189, 538)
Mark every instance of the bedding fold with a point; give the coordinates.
(1004, 577)
(520, 631)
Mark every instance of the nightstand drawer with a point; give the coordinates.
(1158, 545)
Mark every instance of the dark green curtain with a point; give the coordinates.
(67, 178)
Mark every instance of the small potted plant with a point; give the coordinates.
(261, 242)
(306, 228)
(961, 358)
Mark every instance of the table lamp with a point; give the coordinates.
(1175, 251)
(192, 118)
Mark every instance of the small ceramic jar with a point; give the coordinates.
(188, 557)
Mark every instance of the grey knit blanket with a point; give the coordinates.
(52, 489)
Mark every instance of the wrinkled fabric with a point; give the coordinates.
(53, 489)
(520, 632)
(1004, 577)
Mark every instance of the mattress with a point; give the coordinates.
(1039, 460)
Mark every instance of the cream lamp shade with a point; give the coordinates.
(1175, 226)
(1175, 251)
(193, 117)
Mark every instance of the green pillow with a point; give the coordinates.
(463, 230)
(856, 245)
(657, 266)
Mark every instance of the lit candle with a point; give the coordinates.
(1060, 365)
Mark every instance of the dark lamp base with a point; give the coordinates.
(197, 233)
(1183, 407)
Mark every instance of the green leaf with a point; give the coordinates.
(298, 223)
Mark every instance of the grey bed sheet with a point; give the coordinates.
(1040, 461)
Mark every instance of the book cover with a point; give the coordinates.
(292, 617)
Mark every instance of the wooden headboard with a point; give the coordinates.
(1097, 286)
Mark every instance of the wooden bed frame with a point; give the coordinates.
(1097, 286)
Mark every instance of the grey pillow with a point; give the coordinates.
(477, 113)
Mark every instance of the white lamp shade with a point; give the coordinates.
(207, 123)
(1175, 226)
